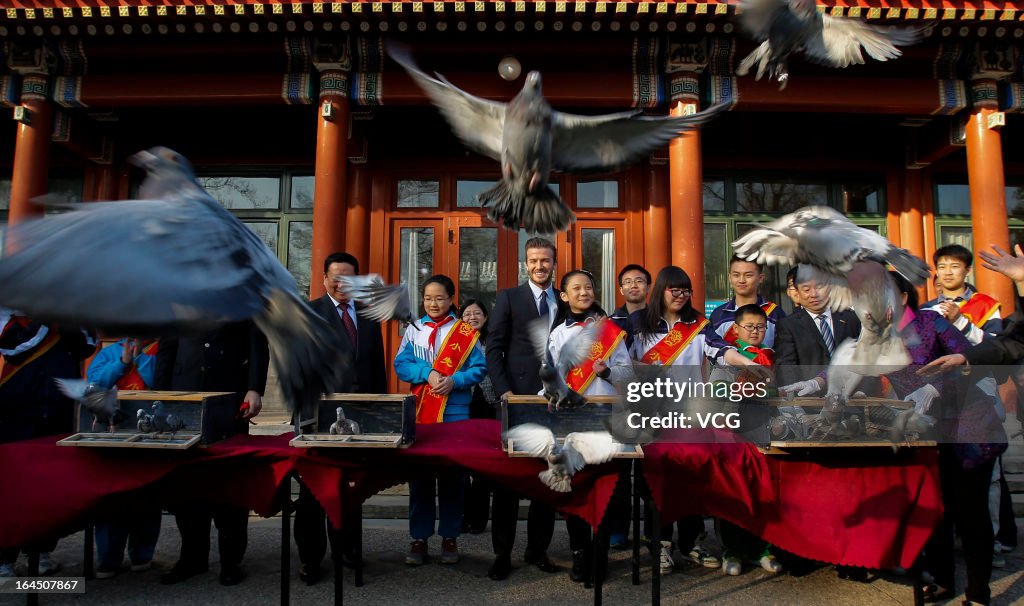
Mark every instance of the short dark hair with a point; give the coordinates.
(955, 251)
(634, 267)
(538, 242)
(341, 257)
(750, 309)
(791, 276)
(448, 286)
(906, 288)
(736, 258)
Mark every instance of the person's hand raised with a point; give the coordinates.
(1011, 266)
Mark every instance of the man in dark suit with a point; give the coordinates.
(514, 369)
(363, 337)
(232, 358)
(805, 339)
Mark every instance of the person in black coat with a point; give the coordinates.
(513, 368)
(368, 377)
(232, 358)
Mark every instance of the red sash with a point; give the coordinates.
(8, 370)
(609, 336)
(731, 335)
(132, 380)
(979, 309)
(449, 358)
(674, 343)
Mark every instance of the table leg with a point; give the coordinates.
(599, 561)
(636, 521)
(339, 569)
(286, 540)
(32, 599)
(655, 556)
(359, 549)
(88, 563)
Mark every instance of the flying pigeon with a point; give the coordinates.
(379, 301)
(172, 263)
(343, 426)
(530, 139)
(102, 403)
(552, 376)
(787, 26)
(144, 421)
(165, 422)
(579, 449)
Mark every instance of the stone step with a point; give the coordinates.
(1013, 465)
(1018, 505)
(1016, 482)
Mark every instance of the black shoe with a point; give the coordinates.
(501, 568)
(541, 562)
(231, 575)
(310, 574)
(852, 573)
(580, 566)
(181, 571)
(934, 593)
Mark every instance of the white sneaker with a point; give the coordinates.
(770, 563)
(665, 564)
(732, 566)
(998, 559)
(703, 558)
(1000, 548)
(7, 571)
(47, 565)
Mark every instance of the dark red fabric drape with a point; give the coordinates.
(868, 513)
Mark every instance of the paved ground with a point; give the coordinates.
(390, 582)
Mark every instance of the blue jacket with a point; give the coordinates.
(106, 368)
(414, 361)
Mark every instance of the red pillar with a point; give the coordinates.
(330, 198)
(686, 201)
(988, 191)
(31, 150)
(357, 224)
(659, 234)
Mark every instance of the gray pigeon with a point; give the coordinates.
(552, 377)
(165, 422)
(787, 26)
(173, 263)
(343, 426)
(580, 448)
(530, 139)
(144, 421)
(379, 301)
(102, 403)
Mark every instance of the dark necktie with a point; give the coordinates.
(350, 327)
(543, 307)
(826, 334)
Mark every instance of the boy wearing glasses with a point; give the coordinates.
(745, 278)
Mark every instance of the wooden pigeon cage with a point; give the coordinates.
(517, 410)
(207, 417)
(385, 421)
(864, 408)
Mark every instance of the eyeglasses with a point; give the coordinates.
(436, 299)
(679, 292)
(633, 282)
(753, 327)
(473, 314)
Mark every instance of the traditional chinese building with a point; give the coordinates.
(298, 122)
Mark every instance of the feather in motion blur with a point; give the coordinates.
(556, 391)
(580, 448)
(171, 263)
(102, 403)
(784, 27)
(379, 301)
(530, 139)
(847, 260)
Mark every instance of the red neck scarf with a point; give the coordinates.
(434, 325)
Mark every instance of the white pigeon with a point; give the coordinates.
(102, 403)
(175, 262)
(379, 301)
(144, 421)
(573, 353)
(579, 449)
(343, 426)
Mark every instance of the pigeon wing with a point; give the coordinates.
(603, 143)
(756, 16)
(382, 302)
(139, 267)
(838, 41)
(478, 122)
(538, 332)
(576, 349)
(766, 245)
(72, 388)
(588, 448)
(531, 438)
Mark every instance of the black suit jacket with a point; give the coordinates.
(798, 343)
(369, 366)
(511, 362)
(232, 358)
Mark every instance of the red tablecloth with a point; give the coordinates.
(873, 509)
(865, 513)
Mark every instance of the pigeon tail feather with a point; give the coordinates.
(556, 482)
(542, 212)
(907, 265)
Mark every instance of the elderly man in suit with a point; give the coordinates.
(805, 339)
(365, 343)
(514, 369)
(234, 358)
